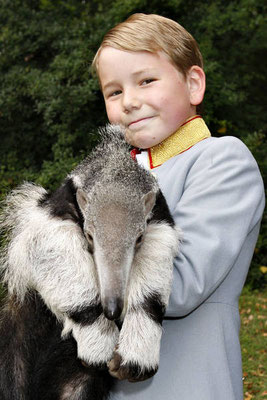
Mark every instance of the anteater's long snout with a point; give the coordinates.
(113, 275)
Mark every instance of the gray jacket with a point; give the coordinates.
(215, 193)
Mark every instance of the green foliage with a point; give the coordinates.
(48, 99)
(257, 277)
(51, 106)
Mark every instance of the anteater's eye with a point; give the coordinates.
(90, 241)
(139, 240)
(89, 237)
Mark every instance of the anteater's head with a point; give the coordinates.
(115, 219)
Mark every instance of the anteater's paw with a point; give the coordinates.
(131, 371)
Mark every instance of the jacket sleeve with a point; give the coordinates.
(222, 201)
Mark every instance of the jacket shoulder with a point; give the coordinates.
(228, 147)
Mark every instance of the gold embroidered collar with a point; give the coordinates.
(191, 132)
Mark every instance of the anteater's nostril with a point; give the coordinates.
(113, 308)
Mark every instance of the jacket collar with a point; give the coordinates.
(191, 132)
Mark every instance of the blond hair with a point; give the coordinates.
(152, 33)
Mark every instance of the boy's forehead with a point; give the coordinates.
(114, 61)
(110, 54)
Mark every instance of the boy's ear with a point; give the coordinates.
(197, 84)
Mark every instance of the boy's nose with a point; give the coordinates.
(131, 101)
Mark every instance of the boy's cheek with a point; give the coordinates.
(113, 114)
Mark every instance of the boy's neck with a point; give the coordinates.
(191, 132)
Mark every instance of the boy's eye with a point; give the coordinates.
(147, 81)
(115, 93)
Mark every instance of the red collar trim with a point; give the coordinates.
(134, 152)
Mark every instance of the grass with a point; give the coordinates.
(253, 337)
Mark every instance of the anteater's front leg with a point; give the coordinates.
(95, 339)
(64, 274)
(136, 356)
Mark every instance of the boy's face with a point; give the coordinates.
(145, 94)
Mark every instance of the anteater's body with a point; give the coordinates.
(88, 271)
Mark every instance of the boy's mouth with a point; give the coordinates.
(139, 122)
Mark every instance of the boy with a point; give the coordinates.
(151, 74)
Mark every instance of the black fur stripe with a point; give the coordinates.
(154, 308)
(63, 203)
(161, 210)
(86, 315)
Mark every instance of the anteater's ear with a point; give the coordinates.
(149, 201)
(82, 200)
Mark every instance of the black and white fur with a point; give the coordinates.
(88, 271)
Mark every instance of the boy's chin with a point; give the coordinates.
(131, 138)
(139, 140)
